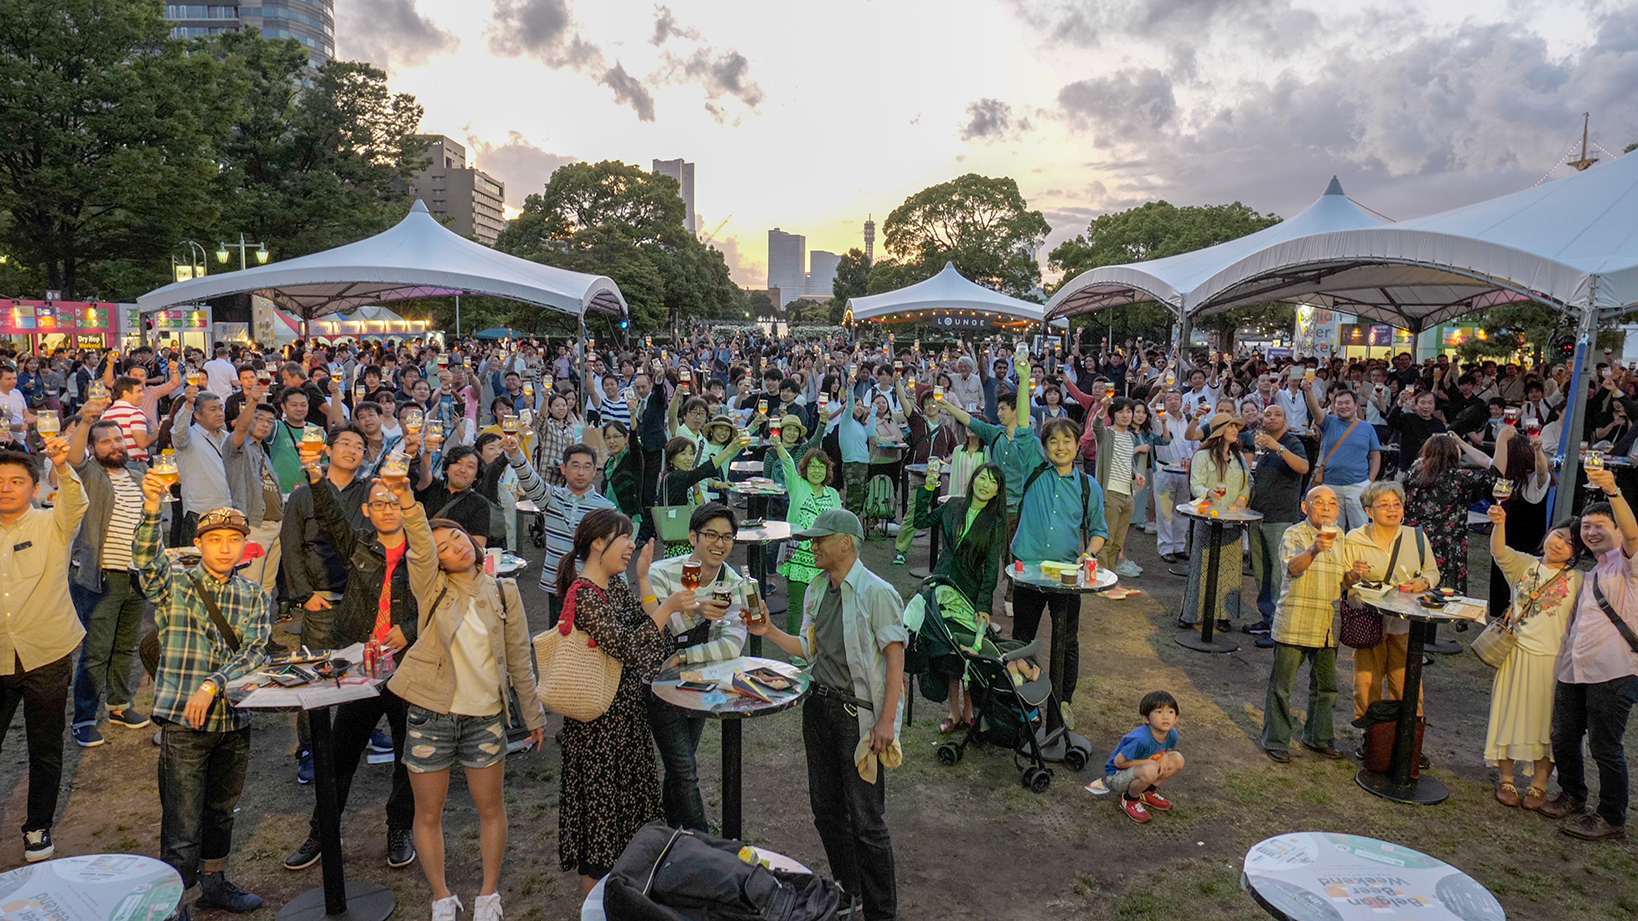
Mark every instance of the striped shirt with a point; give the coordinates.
(562, 510)
(727, 635)
(614, 411)
(1120, 463)
(1305, 615)
(131, 419)
(123, 517)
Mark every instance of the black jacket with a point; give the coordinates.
(366, 563)
(310, 563)
(650, 423)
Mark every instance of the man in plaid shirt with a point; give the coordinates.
(205, 745)
(1304, 629)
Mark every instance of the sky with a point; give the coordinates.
(812, 116)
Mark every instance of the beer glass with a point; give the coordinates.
(49, 423)
(165, 467)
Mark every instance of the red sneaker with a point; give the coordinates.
(1155, 801)
(1135, 808)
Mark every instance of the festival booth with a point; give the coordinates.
(39, 326)
(949, 302)
(417, 258)
(1571, 244)
(1175, 281)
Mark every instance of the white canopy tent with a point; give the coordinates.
(417, 258)
(1175, 281)
(947, 299)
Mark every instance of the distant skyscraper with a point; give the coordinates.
(473, 200)
(822, 272)
(787, 262)
(682, 171)
(870, 238)
(311, 22)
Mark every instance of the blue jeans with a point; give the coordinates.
(677, 735)
(112, 620)
(1598, 711)
(1265, 564)
(201, 775)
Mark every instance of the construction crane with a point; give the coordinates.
(716, 230)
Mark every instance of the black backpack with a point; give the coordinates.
(673, 874)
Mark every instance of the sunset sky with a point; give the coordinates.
(810, 116)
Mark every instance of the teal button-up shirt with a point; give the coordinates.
(1049, 524)
(1016, 456)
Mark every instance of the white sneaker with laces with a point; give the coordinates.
(446, 909)
(487, 908)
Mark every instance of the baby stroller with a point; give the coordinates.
(1022, 717)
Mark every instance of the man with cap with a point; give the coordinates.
(853, 632)
(213, 626)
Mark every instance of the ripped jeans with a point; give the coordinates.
(435, 741)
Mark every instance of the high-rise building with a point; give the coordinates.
(472, 200)
(822, 272)
(311, 22)
(682, 171)
(787, 264)
(870, 238)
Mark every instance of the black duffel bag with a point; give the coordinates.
(670, 874)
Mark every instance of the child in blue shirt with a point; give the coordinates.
(1146, 757)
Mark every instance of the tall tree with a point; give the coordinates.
(108, 135)
(979, 223)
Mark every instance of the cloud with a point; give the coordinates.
(1270, 24)
(744, 268)
(665, 27)
(719, 73)
(1121, 103)
(543, 30)
(629, 91)
(391, 33)
(991, 119)
(523, 166)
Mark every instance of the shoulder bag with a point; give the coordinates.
(1498, 640)
(1319, 472)
(671, 521)
(148, 649)
(1362, 624)
(577, 679)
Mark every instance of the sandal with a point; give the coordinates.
(1507, 794)
(950, 724)
(1534, 798)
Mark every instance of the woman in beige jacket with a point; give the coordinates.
(473, 651)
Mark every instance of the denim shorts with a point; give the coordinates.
(437, 740)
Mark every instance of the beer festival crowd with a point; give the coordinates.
(373, 483)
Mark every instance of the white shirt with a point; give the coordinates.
(477, 690)
(221, 377)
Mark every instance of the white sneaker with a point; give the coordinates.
(1128, 569)
(447, 908)
(487, 908)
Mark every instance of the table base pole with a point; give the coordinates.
(1219, 642)
(1442, 646)
(1421, 791)
(732, 822)
(366, 901)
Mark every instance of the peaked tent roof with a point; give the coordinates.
(948, 290)
(1172, 280)
(1572, 242)
(417, 258)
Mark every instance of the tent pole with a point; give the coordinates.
(1569, 442)
(457, 316)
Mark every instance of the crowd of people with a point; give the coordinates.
(372, 480)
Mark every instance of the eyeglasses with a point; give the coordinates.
(381, 505)
(1387, 506)
(715, 536)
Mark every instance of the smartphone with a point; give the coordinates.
(702, 686)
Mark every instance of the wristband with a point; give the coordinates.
(651, 598)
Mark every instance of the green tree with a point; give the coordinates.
(979, 223)
(760, 304)
(617, 219)
(108, 136)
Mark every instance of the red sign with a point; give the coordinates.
(19, 317)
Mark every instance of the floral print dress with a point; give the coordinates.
(610, 783)
(1440, 510)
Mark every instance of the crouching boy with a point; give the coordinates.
(1146, 758)
(213, 626)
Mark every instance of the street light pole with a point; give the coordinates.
(243, 246)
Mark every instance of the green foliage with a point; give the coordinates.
(107, 135)
(852, 275)
(1512, 327)
(979, 223)
(617, 219)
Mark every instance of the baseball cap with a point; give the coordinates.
(223, 517)
(833, 521)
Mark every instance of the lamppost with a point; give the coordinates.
(193, 267)
(242, 246)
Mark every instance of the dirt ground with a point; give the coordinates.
(969, 841)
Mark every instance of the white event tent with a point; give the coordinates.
(947, 300)
(1176, 281)
(418, 257)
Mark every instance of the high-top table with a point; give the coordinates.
(1207, 640)
(91, 887)
(1030, 575)
(1327, 876)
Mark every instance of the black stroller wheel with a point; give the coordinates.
(1036, 779)
(949, 754)
(1074, 759)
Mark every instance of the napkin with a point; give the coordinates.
(866, 759)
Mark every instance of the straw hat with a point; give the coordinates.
(1218, 422)
(723, 419)
(792, 421)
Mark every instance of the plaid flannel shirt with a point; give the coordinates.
(191, 649)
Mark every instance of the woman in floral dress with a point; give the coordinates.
(1521, 698)
(1438, 491)
(610, 784)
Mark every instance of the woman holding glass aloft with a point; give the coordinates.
(1438, 491)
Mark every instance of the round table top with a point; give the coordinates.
(1325, 876)
(756, 489)
(1406, 604)
(754, 466)
(764, 533)
(91, 887)
(723, 704)
(1172, 468)
(1231, 516)
(1034, 578)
